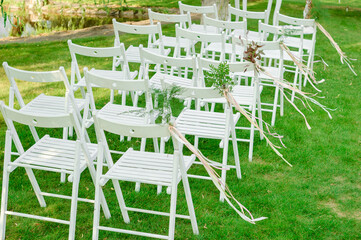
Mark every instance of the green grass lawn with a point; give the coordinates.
(319, 198)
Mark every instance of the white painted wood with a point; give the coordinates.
(48, 154)
(183, 20)
(140, 167)
(50, 105)
(243, 15)
(174, 70)
(310, 28)
(206, 39)
(154, 33)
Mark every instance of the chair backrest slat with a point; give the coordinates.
(246, 14)
(187, 62)
(116, 84)
(184, 8)
(224, 24)
(31, 76)
(94, 51)
(36, 120)
(131, 130)
(181, 19)
(197, 36)
(135, 29)
(294, 21)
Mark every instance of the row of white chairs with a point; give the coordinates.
(71, 157)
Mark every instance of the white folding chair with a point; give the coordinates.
(244, 6)
(144, 167)
(228, 27)
(209, 10)
(47, 154)
(178, 71)
(183, 20)
(276, 71)
(152, 31)
(121, 112)
(279, 34)
(210, 125)
(246, 96)
(77, 80)
(310, 28)
(245, 15)
(205, 39)
(43, 104)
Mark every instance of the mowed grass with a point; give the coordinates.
(318, 198)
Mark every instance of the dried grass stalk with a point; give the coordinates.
(343, 56)
(242, 211)
(240, 109)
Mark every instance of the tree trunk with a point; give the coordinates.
(222, 7)
(307, 13)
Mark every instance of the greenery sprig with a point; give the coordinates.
(219, 77)
(165, 98)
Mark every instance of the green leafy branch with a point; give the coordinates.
(219, 77)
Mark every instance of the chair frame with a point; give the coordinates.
(58, 121)
(116, 52)
(209, 118)
(204, 38)
(172, 66)
(140, 131)
(42, 77)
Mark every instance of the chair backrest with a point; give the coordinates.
(244, 6)
(196, 93)
(150, 30)
(240, 67)
(37, 120)
(170, 65)
(309, 26)
(32, 120)
(92, 79)
(131, 130)
(279, 32)
(281, 18)
(204, 38)
(199, 92)
(244, 14)
(227, 26)
(184, 8)
(31, 76)
(204, 64)
(182, 19)
(97, 52)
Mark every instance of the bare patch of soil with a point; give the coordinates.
(105, 30)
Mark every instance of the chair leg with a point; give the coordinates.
(4, 201)
(74, 197)
(274, 111)
(251, 138)
(260, 119)
(121, 201)
(35, 186)
(282, 98)
(173, 208)
(188, 194)
(196, 141)
(224, 165)
(236, 154)
(96, 217)
(295, 84)
(34, 133)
